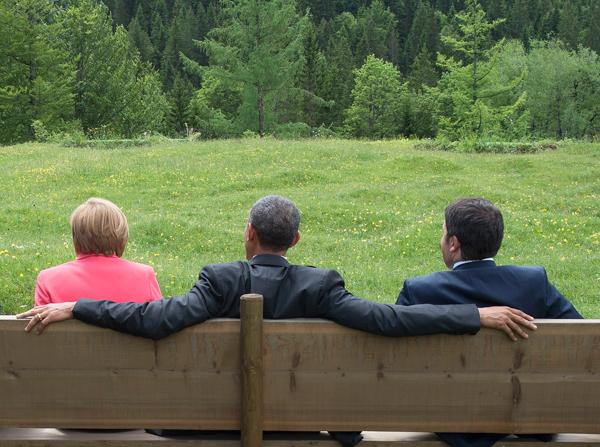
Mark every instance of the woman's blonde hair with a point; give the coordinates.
(99, 226)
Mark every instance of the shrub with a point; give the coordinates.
(292, 131)
(325, 132)
(490, 147)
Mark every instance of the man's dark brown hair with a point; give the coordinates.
(478, 225)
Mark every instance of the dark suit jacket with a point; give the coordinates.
(289, 291)
(485, 284)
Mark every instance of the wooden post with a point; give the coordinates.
(251, 343)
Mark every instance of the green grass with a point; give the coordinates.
(372, 210)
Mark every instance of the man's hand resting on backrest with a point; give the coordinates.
(506, 319)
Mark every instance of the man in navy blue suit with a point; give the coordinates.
(472, 235)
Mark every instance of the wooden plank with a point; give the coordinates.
(337, 377)
(318, 376)
(80, 376)
(251, 338)
(421, 382)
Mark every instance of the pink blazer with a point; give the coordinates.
(97, 277)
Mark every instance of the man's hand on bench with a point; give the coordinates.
(506, 319)
(42, 316)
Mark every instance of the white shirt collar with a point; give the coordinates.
(456, 264)
(284, 257)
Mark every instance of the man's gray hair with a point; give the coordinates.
(276, 221)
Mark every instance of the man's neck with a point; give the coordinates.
(260, 251)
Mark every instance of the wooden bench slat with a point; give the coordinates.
(318, 376)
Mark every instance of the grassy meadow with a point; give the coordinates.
(372, 210)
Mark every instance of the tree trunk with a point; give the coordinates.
(261, 115)
(559, 132)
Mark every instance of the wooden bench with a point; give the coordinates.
(295, 375)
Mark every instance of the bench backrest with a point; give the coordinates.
(317, 376)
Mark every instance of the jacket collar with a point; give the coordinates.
(475, 265)
(266, 259)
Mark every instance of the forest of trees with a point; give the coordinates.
(453, 69)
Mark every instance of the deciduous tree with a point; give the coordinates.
(378, 101)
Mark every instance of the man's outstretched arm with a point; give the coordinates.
(339, 305)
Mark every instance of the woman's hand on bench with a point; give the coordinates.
(42, 316)
(506, 319)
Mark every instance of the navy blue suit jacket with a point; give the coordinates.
(485, 284)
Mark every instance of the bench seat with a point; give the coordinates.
(42, 437)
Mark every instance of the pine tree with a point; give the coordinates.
(182, 32)
(310, 78)
(569, 25)
(467, 89)
(121, 12)
(518, 20)
(158, 37)
(36, 78)
(139, 37)
(377, 33)
(549, 23)
(593, 29)
(259, 47)
(424, 33)
(179, 99)
(115, 93)
(422, 72)
(338, 80)
(319, 9)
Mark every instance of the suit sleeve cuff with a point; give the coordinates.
(472, 319)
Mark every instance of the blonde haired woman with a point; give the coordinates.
(100, 234)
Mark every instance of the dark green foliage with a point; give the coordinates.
(213, 108)
(184, 29)
(569, 25)
(379, 101)
(592, 31)
(473, 100)
(310, 80)
(291, 131)
(376, 28)
(139, 38)
(179, 99)
(420, 115)
(36, 76)
(336, 85)
(563, 91)
(422, 72)
(115, 94)
(424, 36)
(72, 65)
(259, 47)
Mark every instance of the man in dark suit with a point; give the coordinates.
(472, 235)
(289, 291)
